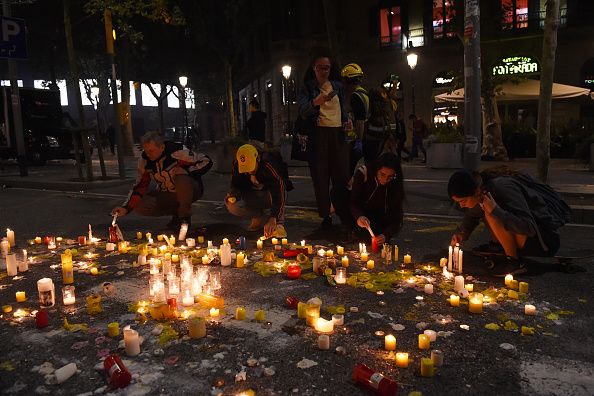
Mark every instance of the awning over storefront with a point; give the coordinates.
(526, 90)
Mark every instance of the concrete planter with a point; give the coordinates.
(445, 155)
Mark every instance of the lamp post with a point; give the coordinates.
(412, 63)
(287, 74)
(183, 81)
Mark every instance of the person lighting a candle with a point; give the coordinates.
(374, 201)
(259, 182)
(516, 209)
(178, 174)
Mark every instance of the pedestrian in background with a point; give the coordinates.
(322, 102)
(352, 75)
(378, 125)
(400, 133)
(419, 132)
(256, 125)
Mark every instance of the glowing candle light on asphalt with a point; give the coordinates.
(370, 264)
(454, 300)
(214, 312)
(508, 279)
(345, 261)
(407, 259)
(339, 250)
(390, 342)
(325, 326)
(364, 257)
(424, 341)
(402, 360)
(429, 288)
(259, 244)
(20, 296)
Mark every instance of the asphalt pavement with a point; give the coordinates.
(491, 357)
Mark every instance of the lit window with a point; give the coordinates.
(173, 99)
(44, 84)
(515, 14)
(442, 9)
(390, 26)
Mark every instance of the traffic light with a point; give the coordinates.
(124, 112)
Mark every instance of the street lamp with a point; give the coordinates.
(412, 63)
(287, 74)
(183, 81)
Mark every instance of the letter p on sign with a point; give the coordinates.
(9, 28)
(14, 39)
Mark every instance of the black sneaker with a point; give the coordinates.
(326, 223)
(491, 247)
(511, 266)
(176, 222)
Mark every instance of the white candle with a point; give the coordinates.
(529, 309)
(141, 259)
(449, 258)
(458, 283)
(10, 236)
(110, 247)
(303, 243)
(63, 373)
(183, 231)
(338, 320)
(187, 298)
(340, 277)
(431, 334)
(191, 242)
(460, 261)
(209, 244)
(325, 326)
(390, 342)
(11, 264)
(437, 357)
(225, 254)
(324, 342)
(429, 288)
(132, 342)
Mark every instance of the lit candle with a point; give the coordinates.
(324, 342)
(437, 357)
(301, 310)
(113, 329)
(470, 287)
(312, 314)
(131, 342)
(225, 241)
(47, 296)
(458, 283)
(429, 288)
(183, 230)
(431, 334)
(523, 287)
(323, 325)
(345, 261)
(402, 360)
(407, 259)
(94, 271)
(390, 342)
(240, 313)
(10, 236)
(424, 341)
(427, 367)
(370, 264)
(214, 312)
(340, 277)
(122, 247)
(24, 265)
(513, 284)
(38, 240)
(454, 300)
(475, 303)
(139, 235)
(20, 296)
(513, 294)
(67, 270)
(508, 279)
(329, 253)
(11, 264)
(172, 240)
(205, 259)
(160, 237)
(396, 259)
(285, 241)
(175, 258)
(321, 252)
(528, 309)
(187, 298)
(259, 244)
(240, 259)
(303, 243)
(339, 249)
(68, 295)
(191, 242)
(141, 259)
(364, 257)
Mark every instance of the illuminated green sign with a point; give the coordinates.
(516, 65)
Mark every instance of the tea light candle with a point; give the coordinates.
(259, 244)
(340, 277)
(338, 320)
(7, 308)
(475, 304)
(370, 264)
(240, 313)
(139, 235)
(20, 296)
(122, 247)
(191, 242)
(437, 357)
(160, 237)
(312, 314)
(431, 334)
(454, 300)
(113, 329)
(68, 295)
(187, 298)
(330, 253)
(274, 241)
(407, 259)
(205, 259)
(402, 360)
(345, 261)
(339, 249)
(364, 257)
(523, 287)
(214, 312)
(470, 287)
(131, 342)
(285, 241)
(424, 341)
(325, 326)
(324, 342)
(508, 279)
(390, 342)
(240, 259)
(458, 283)
(528, 309)
(429, 288)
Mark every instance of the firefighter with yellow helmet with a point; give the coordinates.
(352, 75)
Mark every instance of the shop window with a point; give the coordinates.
(443, 12)
(390, 26)
(515, 14)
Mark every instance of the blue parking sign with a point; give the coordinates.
(14, 38)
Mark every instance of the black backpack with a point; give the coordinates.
(556, 205)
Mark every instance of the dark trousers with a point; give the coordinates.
(414, 151)
(330, 162)
(400, 148)
(178, 203)
(341, 197)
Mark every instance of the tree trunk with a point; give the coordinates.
(543, 132)
(160, 101)
(493, 148)
(126, 129)
(230, 108)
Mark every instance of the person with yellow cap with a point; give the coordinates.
(258, 183)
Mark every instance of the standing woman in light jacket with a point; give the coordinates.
(322, 103)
